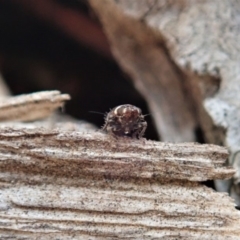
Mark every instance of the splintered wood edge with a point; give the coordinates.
(32, 106)
(77, 153)
(72, 185)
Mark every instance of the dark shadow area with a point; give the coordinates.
(36, 55)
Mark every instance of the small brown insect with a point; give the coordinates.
(125, 121)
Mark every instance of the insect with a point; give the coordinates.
(125, 121)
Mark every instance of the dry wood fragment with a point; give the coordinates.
(30, 107)
(96, 153)
(58, 182)
(75, 185)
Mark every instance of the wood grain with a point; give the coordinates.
(34, 106)
(58, 184)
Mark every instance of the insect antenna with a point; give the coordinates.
(96, 112)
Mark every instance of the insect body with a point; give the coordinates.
(125, 120)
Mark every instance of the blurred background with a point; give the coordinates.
(59, 44)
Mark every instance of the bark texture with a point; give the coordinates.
(183, 57)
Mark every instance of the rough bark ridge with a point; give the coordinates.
(202, 38)
(61, 182)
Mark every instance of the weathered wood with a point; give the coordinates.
(75, 185)
(65, 180)
(35, 150)
(31, 106)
